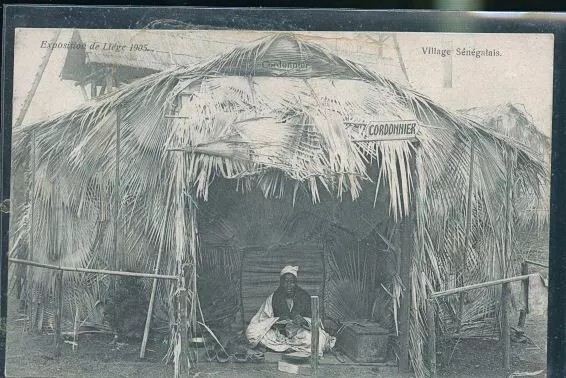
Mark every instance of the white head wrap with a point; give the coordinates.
(290, 269)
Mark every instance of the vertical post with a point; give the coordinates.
(525, 294)
(156, 271)
(29, 269)
(405, 262)
(405, 302)
(83, 91)
(506, 287)
(431, 326)
(92, 88)
(181, 362)
(467, 238)
(315, 339)
(36, 81)
(117, 259)
(505, 331)
(58, 311)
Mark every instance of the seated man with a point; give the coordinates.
(283, 322)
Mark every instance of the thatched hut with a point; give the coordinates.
(256, 147)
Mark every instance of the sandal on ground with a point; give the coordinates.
(255, 356)
(241, 357)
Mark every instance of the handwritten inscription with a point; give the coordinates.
(96, 46)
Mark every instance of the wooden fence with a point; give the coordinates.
(505, 337)
(58, 292)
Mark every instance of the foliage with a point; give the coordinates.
(126, 308)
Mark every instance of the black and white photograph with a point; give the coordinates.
(252, 203)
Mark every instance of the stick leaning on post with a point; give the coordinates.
(315, 323)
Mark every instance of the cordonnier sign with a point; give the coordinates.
(374, 131)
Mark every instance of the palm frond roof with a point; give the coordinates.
(277, 103)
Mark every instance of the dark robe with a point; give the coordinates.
(301, 304)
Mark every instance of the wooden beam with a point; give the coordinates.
(83, 91)
(406, 234)
(405, 263)
(457, 290)
(36, 81)
(467, 237)
(315, 339)
(93, 93)
(156, 271)
(58, 311)
(86, 270)
(28, 284)
(506, 288)
(117, 258)
(431, 340)
(536, 264)
(525, 294)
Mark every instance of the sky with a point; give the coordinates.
(521, 73)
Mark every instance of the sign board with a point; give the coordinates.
(374, 131)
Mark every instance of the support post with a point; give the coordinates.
(181, 360)
(36, 81)
(405, 302)
(58, 311)
(117, 260)
(315, 339)
(431, 326)
(467, 238)
(30, 298)
(154, 285)
(505, 329)
(404, 268)
(525, 294)
(506, 287)
(93, 93)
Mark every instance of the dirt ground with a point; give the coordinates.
(30, 355)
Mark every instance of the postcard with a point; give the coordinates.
(250, 203)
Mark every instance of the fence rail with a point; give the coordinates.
(59, 290)
(96, 271)
(536, 263)
(505, 334)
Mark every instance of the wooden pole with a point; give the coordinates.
(117, 259)
(407, 246)
(525, 293)
(88, 270)
(315, 339)
(29, 271)
(477, 286)
(154, 285)
(506, 288)
(36, 81)
(58, 311)
(405, 302)
(83, 91)
(431, 326)
(536, 263)
(92, 88)
(467, 234)
(181, 362)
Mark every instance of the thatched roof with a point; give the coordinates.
(173, 48)
(269, 115)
